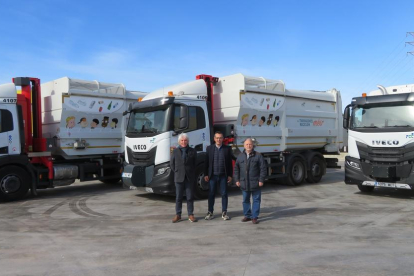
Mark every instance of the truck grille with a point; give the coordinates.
(385, 155)
(141, 158)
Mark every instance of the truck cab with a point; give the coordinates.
(381, 139)
(152, 134)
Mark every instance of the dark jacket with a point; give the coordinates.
(249, 172)
(228, 164)
(182, 170)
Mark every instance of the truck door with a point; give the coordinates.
(6, 132)
(198, 131)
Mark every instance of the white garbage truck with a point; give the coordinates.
(381, 139)
(60, 131)
(293, 129)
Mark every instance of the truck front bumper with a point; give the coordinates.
(149, 178)
(369, 175)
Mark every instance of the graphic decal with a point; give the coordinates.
(83, 122)
(94, 123)
(253, 120)
(70, 122)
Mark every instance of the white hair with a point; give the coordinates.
(251, 140)
(183, 135)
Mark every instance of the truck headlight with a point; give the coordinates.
(353, 165)
(161, 171)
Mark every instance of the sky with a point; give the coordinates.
(352, 46)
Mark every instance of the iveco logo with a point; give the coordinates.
(139, 147)
(385, 142)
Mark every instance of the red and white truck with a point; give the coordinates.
(73, 129)
(293, 129)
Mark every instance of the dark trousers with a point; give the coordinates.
(250, 211)
(214, 181)
(179, 192)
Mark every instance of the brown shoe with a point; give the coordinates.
(177, 218)
(246, 219)
(192, 218)
(255, 221)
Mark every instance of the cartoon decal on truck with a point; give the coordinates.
(83, 122)
(70, 122)
(245, 119)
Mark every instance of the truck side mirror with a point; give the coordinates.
(183, 117)
(129, 109)
(346, 117)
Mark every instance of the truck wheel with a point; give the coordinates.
(14, 183)
(202, 187)
(317, 167)
(295, 171)
(365, 189)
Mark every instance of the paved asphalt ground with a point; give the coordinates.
(314, 229)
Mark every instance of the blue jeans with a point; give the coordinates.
(179, 194)
(247, 208)
(222, 181)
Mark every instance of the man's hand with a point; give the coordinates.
(229, 179)
(260, 184)
(206, 178)
(238, 184)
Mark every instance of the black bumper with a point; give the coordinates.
(143, 177)
(385, 173)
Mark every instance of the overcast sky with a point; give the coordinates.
(317, 45)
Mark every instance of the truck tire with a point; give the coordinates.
(365, 189)
(316, 170)
(202, 187)
(296, 171)
(14, 183)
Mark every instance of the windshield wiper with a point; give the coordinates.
(149, 130)
(367, 127)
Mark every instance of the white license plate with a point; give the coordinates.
(387, 185)
(127, 175)
(384, 184)
(149, 190)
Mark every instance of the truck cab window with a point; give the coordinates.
(196, 118)
(6, 120)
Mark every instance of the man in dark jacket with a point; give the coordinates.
(218, 170)
(249, 174)
(183, 164)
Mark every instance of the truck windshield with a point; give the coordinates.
(383, 118)
(149, 121)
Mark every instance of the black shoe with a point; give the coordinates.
(255, 221)
(246, 219)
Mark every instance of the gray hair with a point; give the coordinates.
(183, 135)
(251, 140)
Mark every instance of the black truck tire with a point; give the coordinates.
(316, 169)
(202, 187)
(14, 183)
(296, 171)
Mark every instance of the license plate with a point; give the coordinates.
(387, 185)
(384, 184)
(127, 175)
(149, 190)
